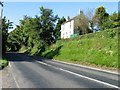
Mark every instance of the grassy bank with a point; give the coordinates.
(3, 63)
(100, 48)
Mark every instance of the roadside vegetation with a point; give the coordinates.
(100, 48)
(3, 63)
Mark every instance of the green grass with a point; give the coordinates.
(100, 48)
(3, 63)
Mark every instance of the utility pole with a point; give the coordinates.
(1, 5)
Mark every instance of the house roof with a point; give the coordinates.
(70, 19)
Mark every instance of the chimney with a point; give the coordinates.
(80, 11)
(67, 18)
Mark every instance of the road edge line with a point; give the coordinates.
(92, 79)
(117, 73)
(14, 76)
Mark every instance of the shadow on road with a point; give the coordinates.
(18, 57)
(22, 57)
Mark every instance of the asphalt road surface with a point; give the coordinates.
(35, 72)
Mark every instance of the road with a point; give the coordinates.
(34, 72)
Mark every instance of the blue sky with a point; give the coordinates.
(15, 11)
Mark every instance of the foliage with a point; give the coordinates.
(33, 34)
(82, 24)
(58, 27)
(115, 20)
(47, 20)
(112, 22)
(3, 63)
(6, 24)
(101, 16)
(26, 35)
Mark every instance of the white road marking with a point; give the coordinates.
(10, 65)
(42, 62)
(14, 76)
(101, 82)
(86, 67)
(89, 78)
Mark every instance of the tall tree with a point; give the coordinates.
(91, 19)
(26, 35)
(58, 27)
(6, 24)
(34, 34)
(102, 16)
(81, 23)
(47, 20)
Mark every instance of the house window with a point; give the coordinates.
(70, 24)
(63, 27)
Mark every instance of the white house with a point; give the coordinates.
(69, 27)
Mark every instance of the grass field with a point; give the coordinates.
(99, 48)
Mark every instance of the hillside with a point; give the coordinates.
(99, 49)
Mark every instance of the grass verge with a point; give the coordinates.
(99, 49)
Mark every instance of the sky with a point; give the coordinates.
(14, 11)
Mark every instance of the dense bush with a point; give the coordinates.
(3, 63)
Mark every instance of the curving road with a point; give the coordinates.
(36, 72)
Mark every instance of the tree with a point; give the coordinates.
(34, 34)
(47, 20)
(91, 19)
(58, 27)
(112, 21)
(13, 43)
(26, 35)
(81, 24)
(115, 20)
(6, 24)
(102, 16)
